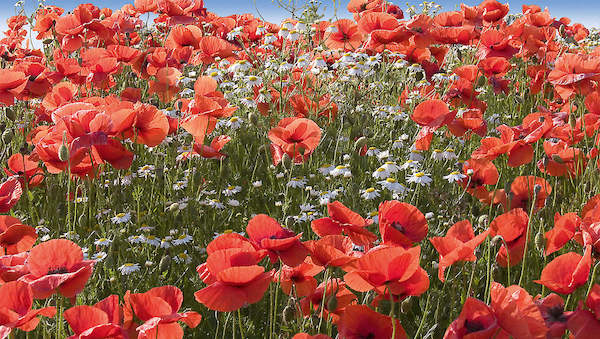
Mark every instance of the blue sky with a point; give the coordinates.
(586, 12)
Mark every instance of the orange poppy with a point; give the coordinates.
(12, 267)
(458, 245)
(575, 73)
(343, 220)
(401, 224)
(166, 84)
(345, 36)
(563, 231)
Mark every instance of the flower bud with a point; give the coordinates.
(406, 305)
(540, 241)
(165, 263)
(332, 303)
(10, 113)
(253, 118)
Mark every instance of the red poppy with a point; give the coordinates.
(26, 168)
(10, 193)
(150, 126)
(389, 269)
(214, 150)
(300, 278)
(552, 309)
(57, 265)
(166, 84)
(401, 224)
(16, 300)
(14, 236)
(337, 297)
(296, 137)
(308, 336)
(476, 321)
(575, 73)
(343, 220)
(345, 35)
(12, 267)
(479, 174)
(512, 227)
(359, 321)
(102, 320)
(516, 312)
(519, 152)
(331, 250)
(266, 233)
(563, 231)
(458, 245)
(431, 115)
(158, 309)
(567, 272)
(525, 188)
(11, 85)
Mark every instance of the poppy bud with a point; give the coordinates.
(360, 143)
(406, 305)
(562, 31)
(286, 161)
(7, 136)
(63, 153)
(419, 76)
(482, 220)
(289, 313)
(165, 263)
(481, 81)
(496, 273)
(289, 221)
(174, 207)
(253, 118)
(10, 113)
(332, 303)
(47, 41)
(572, 121)
(497, 239)
(540, 241)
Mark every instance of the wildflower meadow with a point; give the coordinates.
(379, 171)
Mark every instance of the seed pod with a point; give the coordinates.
(406, 305)
(332, 303)
(165, 263)
(540, 241)
(496, 273)
(10, 113)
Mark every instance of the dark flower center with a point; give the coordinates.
(555, 314)
(473, 326)
(398, 226)
(58, 270)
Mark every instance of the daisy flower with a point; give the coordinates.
(121, 218)
(129, 268)
(370, 193)
(455, 176)
(420, 178)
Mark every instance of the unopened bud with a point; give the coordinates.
(289, 314)
(557, 158)
(253, 117)
(497, 239)
(481, 81)
(286, 161)
(63, 153)
(174, 207)
(332, 303)
(540, 241)
(406, 305)
(165, 263)
(572, 121)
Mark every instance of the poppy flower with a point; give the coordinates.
(401, 224)
(337, 297)
(480, 173)
(296, 137)
(150, 126)
(359, 321)
(458, 245)
(16, 300)
(392, 269)
(552, 309)
(102, 320)
(525, 189)
(308, 336)
(57, 265)
(476, 321)
(567, 272)
(10, 193)
(14, 236)
(11, 85)
(166, 84)
(12, 267)
(512, 226)
(575, 73)
(518, 151)
(158, 309)
(343, 220)
(266, 233)
(212, 151)
(25, 168)
(300, 278)
(516, 312)
(563, 231)
(431, 115)
(331, 250)
(345, 36)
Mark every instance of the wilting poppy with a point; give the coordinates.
(158, 309)
(57, 265)
(567, 272)
(359, 321)
(401, 224)
(343, 220)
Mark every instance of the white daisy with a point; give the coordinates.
(455, 176)
(420, 178)
(129, 268)
(370, 193)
